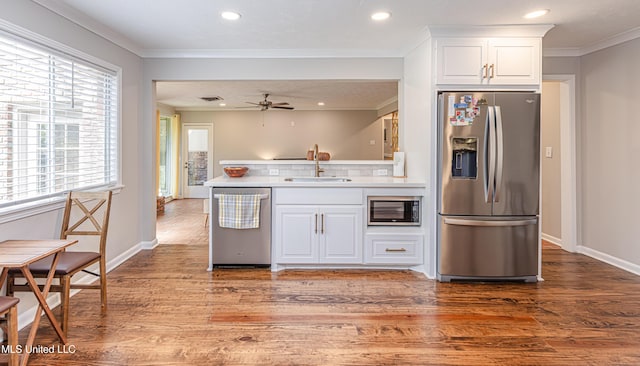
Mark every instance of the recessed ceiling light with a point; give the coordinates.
(230, 15)
(381, 15)
(321, 103)
(537, 13)
(222, 104)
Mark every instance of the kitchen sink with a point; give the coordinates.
(317, 179)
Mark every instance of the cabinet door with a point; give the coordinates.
(341, 234)
(514, 61)
(461, 61)
(296, 234)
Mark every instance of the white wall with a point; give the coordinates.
(255, 135)
(550, 137)
(417, 136)
(611, 154)
(124, 233)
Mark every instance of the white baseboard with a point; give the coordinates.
(551, 239)
(26, 317)
(115, 262)
(617, 262)
(147, 245)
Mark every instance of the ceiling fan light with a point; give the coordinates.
(381, 15)
(536, 13)
(230, 15)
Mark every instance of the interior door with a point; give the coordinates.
(462, 133)
(518, 176)
(197, 158)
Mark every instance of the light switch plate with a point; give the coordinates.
(548, 152)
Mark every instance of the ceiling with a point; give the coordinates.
(326, 28)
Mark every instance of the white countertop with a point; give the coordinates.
(267, 181)
(304, 162)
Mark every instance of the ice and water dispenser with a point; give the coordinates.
(465, 157)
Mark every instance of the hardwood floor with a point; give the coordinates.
(182, 223)
(164, 308)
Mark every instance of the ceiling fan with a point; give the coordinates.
(267, 104)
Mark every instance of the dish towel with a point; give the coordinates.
(239, 211)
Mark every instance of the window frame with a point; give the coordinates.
(55, 201)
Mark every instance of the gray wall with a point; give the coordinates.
(550, 137)
(124, 229)
(255, 135)
(607, 85)
(610, 151)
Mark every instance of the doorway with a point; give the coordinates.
(197, 157)
(562, 187)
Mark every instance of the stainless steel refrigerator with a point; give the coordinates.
(488, 192)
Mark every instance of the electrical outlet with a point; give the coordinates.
(274, 172)
(381, 172)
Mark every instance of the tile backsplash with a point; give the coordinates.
(303, 168)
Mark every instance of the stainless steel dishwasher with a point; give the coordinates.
(240, 247)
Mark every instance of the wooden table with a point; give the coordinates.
(20, 254)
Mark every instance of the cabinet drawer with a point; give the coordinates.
(394, 248)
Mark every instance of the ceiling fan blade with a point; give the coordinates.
(282, 103)
(258, 104)
(281, 107)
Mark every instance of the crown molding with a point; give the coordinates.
(605, 43)
(270, 53)
(612, 41)
(89, 24)
(480, 31)
(561, 52)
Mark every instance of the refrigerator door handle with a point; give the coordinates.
(500, 153)
(465, 222)
(490, 156)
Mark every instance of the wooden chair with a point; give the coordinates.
(89, 205)
(8, 309)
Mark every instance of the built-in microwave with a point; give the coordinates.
(393, 210)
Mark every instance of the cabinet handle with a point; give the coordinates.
(316, 227)
(485, 71)
(493, 69)
(395, 250)
(322, 223)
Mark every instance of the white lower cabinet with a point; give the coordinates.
(327, 226)
(327, 234)
(393, 248)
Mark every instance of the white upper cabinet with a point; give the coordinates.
(488, 61)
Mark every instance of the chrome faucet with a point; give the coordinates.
(315, 157)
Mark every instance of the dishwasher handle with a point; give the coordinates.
(262, 196)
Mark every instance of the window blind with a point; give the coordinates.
(58, 123)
